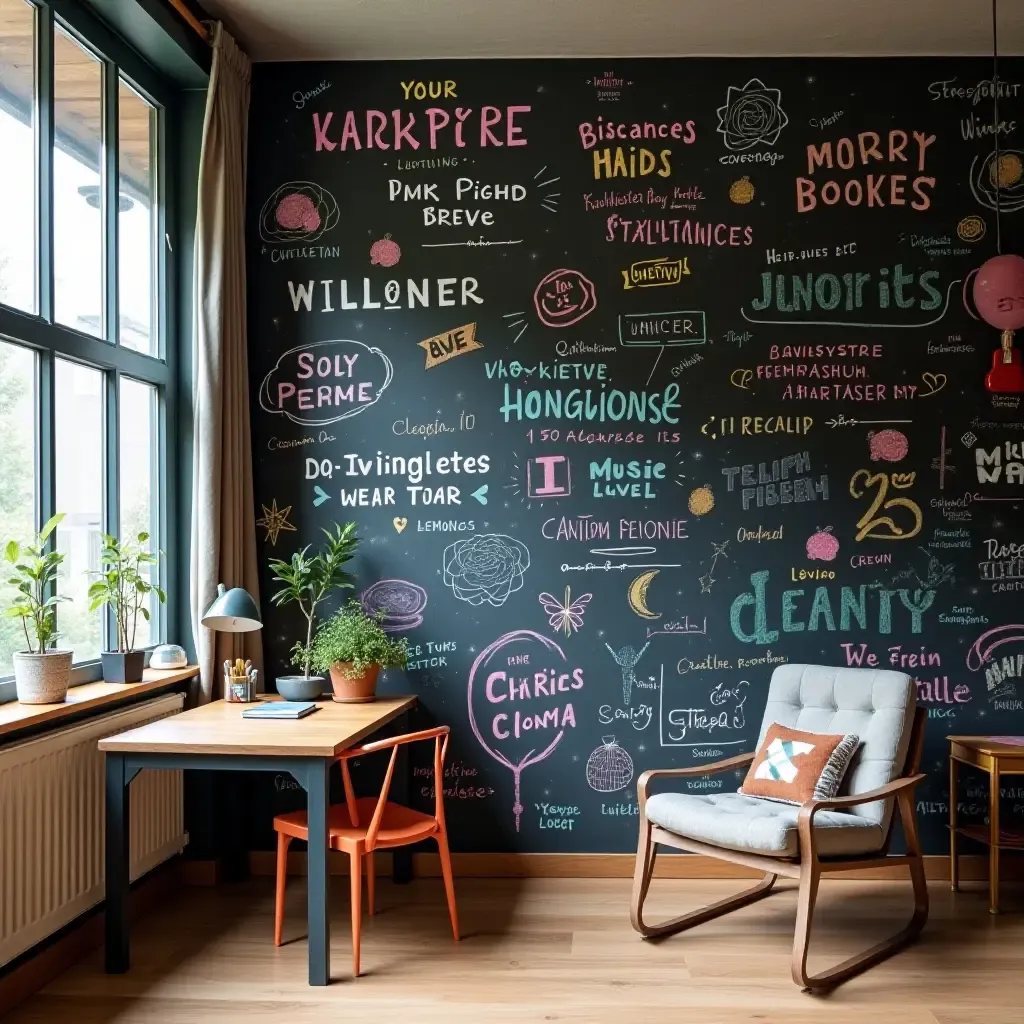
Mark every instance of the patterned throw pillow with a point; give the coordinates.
(792, 766)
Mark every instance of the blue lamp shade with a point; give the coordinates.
(233, 611)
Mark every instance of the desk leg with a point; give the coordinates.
(118, 805)
(401, 857)
(993, 838)
(317, 783)
(954, 861)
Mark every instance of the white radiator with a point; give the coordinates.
(52, 823)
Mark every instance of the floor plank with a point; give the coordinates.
(558, 949)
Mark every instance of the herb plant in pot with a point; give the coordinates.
(41, 674)
(307, 580)
(353, 647)
(122, 584)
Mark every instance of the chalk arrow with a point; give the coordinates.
(321, 496)
(480, 494)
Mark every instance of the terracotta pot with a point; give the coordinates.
(42, 678)
(359, 690)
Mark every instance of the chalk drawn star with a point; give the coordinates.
(275, 520)
(706, 583)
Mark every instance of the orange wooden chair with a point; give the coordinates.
(388, 825)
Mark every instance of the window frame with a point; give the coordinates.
(50, 340)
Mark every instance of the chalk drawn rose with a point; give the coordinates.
(751, 116)
(298, 211)
(485, 567)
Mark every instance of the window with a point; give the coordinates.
(17, 471)
(17, 144)
(87, 373)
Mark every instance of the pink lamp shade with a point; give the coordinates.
(999, 292)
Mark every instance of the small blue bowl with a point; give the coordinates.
(300, 688)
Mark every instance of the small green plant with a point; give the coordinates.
(357, 640)
(122, 585)
(35, 576)
(309, 579)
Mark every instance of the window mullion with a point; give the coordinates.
(46, 455)
(44, 161)
(111, 202)
(112, 477)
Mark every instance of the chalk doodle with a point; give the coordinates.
(822, 545)
(701, 500)
(564, 616)
(549, 200)
(890, 445)
(999, 177)
(864, 480)
(752, 116)
(485, 568)
(326, 381)
(1002, 673)
(848, 421)
(626, 552)
(298, 211)
(609, 767)
(936, 573)
(506, 737)
(943, 461)
(517, 319)
(636, 594)
(707, 581)
(971, 228)
(385, 252)
(626, 658)
(564, 297)
(934, 382)
(275, 521)
(399, 604)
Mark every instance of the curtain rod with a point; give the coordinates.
(193, 22)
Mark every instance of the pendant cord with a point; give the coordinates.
(995, 116)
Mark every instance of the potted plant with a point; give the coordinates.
(41, 674)
(353, 647)
(122, 585)
(307, 581)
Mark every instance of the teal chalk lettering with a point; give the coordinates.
(761, 634)
(821, 606)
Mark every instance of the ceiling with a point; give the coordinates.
(391, 29)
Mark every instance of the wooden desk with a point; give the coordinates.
(995, 759)
(215, 736)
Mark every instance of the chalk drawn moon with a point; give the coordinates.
(637, 594)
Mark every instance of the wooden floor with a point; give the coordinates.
(549, 950)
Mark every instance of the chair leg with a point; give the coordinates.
(881, 950)
(356, 876)
(646, 854)
(449, 884)
(371, 884)
(283, 842)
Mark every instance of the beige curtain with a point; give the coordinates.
(223, 527)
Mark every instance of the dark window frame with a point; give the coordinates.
(50, 340)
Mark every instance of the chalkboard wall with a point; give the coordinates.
(641, 378)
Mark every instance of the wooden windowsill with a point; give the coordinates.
(15, 716)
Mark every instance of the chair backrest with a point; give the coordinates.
(876, 704)
(440, 737)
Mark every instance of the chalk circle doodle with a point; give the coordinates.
(298, 211)
(890, 445)
(609, 767)
(487, 567)
(999, 179)
(752, 116)
(398, 604)
(326, 382)
(564, 297)
(971, 228)
(479, 677)
(564, 616)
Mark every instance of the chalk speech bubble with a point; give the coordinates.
(326, 381)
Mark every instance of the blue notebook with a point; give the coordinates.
(280, 709)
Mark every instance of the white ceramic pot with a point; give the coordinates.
(42, 678)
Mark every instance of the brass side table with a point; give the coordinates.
(995, 756)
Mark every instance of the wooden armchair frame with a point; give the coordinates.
(808, 867)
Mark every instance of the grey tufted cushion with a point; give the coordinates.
(749, 824)
(876, 704)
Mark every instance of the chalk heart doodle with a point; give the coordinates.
(485, 568)
(326, 382)
(297, 211)
(752, 116)
(933, 383)
(520, 701)
(400, 523)
(564, 297)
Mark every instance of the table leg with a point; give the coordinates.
(401, 857)
(993, 839)
(954, 860)
(118, 805)
(319, 911)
